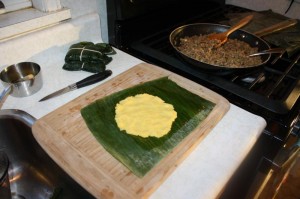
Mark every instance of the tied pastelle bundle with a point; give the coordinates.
(88, 56)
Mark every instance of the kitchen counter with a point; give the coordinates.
(203, 174)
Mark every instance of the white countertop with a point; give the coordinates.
(55, 78)
(203, 174)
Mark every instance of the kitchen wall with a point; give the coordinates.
(82, 7)
(278, 6)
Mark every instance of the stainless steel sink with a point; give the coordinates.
(32, 173)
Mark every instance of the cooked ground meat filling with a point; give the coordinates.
(234, 53)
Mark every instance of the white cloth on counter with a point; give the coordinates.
(205, 172)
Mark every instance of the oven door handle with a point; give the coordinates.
(286, 156)
(268, 184)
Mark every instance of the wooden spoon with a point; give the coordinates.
(223, 36)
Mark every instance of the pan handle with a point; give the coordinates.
(277, 27)
(268, 51)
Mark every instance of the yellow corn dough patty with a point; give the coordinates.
(145, 115)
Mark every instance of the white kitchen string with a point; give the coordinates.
(82, 49)
(80, 57)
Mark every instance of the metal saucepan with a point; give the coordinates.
(207, 28)
(21, 80)
(253, 39)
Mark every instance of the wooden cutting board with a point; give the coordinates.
(65, 137)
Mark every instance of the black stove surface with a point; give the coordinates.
(271, 92)
(260, 92)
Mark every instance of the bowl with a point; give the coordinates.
(24, 79)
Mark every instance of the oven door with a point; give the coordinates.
(283, 180)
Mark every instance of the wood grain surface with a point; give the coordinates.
(65, 137)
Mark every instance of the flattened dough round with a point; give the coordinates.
(145, 115)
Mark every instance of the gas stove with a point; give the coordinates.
(272, 92)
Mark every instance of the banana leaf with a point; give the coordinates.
(93, 67)
(139, 154)
(88, 56)
(89, 52)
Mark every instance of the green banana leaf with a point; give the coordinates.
(89, 52)
(93, 67)
(139, 154)
(88, 56)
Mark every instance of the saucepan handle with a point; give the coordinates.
(276, 27)
(4, 93)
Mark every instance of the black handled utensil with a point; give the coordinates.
(82, 83)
